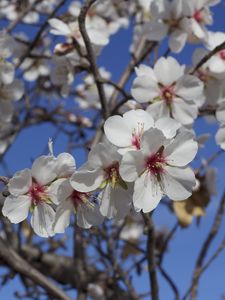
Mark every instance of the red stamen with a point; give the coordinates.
(154, 164)
(37, 193)
(198, 16)
(78, 198)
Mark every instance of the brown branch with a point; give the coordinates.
(18, 264)
(207, 57)
(39, 33)
(150, 254)
(91, 57)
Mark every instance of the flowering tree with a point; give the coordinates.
(91, 225)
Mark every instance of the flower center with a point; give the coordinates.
(155, 163)
(38, 193)
(78, 198)
(198, 16)
(113, 175)
(167, 93)
(222, 54)
(136, 136)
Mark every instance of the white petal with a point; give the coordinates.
(132, 165)
(163, 69)
(155, 31)
(158, 110)
(65, 165)
(144, 89)
(147, 193)
(88, 214)
(54, 193)
(44, 169)
(62, 216)
(168, 126)
(103, 155)
(59, 27)
(97, 37)
(20, 183)
(190, 88)
(177, 183)
(220, 137)
(117, 131)
(177, 40)
(216, 65)
(220, 112)
(152, 140)
(42, 220)
(16, 209)
(181, 150)
(183, 112)
(87, 180)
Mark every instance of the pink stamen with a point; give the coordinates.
(222, 54)
(136, 141)
(112, 170)
(78, 198)
(167, 93)
(37, 193)
(198, 16)
(154, 164)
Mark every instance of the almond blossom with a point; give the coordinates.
(126, 132)
(216, 63)
(30, 191)
(168, 17)
(102, 172)
(172, 94)
(160, 168)
(73, 201)
(72, 31)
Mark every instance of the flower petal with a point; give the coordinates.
(181, 150)
(132, 165)
(87, 180)
(20, 183)
(62, 216)
(16, 209)
(177, 183)
(42, 220)
(147, 193)
(44, 169)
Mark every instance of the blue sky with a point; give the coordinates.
(185, 247)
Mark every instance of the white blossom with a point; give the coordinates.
(160, 168)
(172, 94)
(102, 172)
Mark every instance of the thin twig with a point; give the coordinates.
(150, 253)
(207, 57)
(91, 57)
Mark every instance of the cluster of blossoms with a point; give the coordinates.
(142, 161)
(147, 150)
(180, 19)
